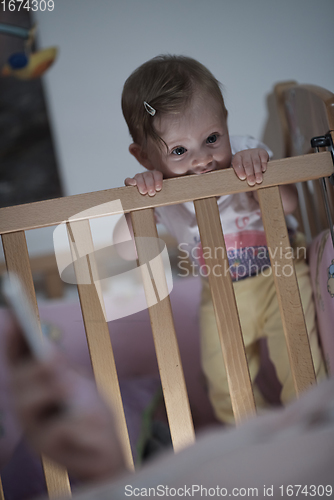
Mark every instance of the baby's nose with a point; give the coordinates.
(201, 164)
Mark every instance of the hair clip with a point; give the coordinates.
(151, 111)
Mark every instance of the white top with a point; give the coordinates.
(241, 221)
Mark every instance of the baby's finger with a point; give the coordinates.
(157, 175)
(141, 183)
(264, 158)
(248, 165)
(239, 168)
(150, 183)
(130, 181)
(257, 169)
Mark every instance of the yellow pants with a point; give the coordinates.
(259, 317)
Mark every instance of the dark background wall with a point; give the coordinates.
(28, 165)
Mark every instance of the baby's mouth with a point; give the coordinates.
(207, 170)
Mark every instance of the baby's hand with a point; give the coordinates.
(250, 164)
(147, 182)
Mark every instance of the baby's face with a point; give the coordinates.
(197, 140)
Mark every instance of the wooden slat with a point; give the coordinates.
(310, 209)
(225, 307)
(82, 246)
(56, 478)
(330, 192)
(17, 260)
(309, 111)
(97, 332)
(320, 205)
(2, 496)
(330, 187)
(287, 289)
(177, 190)
(166, 346)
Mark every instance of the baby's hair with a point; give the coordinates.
(167, 83)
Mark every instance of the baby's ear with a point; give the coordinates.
(141, 156)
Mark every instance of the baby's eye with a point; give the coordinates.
(212, 138)
(179, 151)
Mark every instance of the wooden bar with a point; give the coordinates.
(166, 346)
(330, 192)
(56, 478)
(225, 307)
(320, 204)
(2, 496)
(310, 210)
(17, 261)
(97, 332)
(287, 289)
(177, 190)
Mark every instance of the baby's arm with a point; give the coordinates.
(289, 196)
(250, 165)
(147, 182)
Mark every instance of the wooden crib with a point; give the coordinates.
(76, 211)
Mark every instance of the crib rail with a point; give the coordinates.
(203, 190)
(177, 190)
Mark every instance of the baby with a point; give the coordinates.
(177, 118)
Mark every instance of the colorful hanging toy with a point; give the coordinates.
(26, 65)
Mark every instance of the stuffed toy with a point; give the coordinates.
(26, 65)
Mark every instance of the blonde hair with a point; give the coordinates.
(167, 83)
